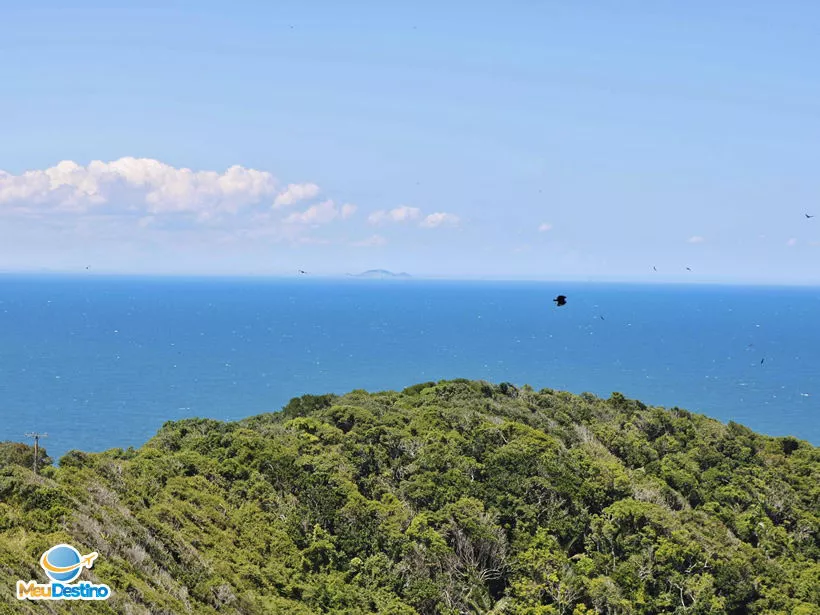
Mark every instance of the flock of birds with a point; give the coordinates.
(561, 300)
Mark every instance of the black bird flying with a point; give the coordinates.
(560, 300)
(808, 216)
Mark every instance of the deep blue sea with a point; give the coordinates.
(103, 362)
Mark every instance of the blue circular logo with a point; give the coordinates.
(62, 563)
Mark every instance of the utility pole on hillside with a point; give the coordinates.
(36, 436)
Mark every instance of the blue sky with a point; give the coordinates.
(588, 140)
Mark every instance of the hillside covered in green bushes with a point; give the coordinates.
(446, 498)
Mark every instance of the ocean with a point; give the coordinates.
(99, 362)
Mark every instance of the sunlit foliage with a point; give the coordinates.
(448, 498)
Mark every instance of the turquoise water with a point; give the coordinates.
(103, 362)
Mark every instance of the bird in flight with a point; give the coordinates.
(655, 268)
(560, 300)
(761, 360)
(302, 272)
(688, 269)
(602, 318)
(808, 216)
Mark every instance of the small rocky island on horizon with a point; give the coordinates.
(379, 274)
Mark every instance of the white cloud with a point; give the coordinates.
(696, 239)
(348, 210)
(295, 193)
(438, 219)
(377, 217)
(544, 228)
(140, 183)
(791, 242)
(313, 241)
(399, 214)
(370, 242)
(323, 213)
(404, 213)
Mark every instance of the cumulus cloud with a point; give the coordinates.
(791, 242)
(143, 183)
(322, 213)
(295, 193)
(371, 242)
(147, 197)
(399, 214)
(696, 239)
(544, 228)
(439, 219)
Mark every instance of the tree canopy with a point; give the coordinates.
(447, 498)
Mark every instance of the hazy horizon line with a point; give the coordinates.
(659, 280)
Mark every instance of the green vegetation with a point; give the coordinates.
(447, 498)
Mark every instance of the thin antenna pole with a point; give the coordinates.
(36, 436)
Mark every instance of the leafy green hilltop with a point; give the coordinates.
(446, 498)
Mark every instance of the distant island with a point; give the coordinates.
(451, 497)
(379, 274)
